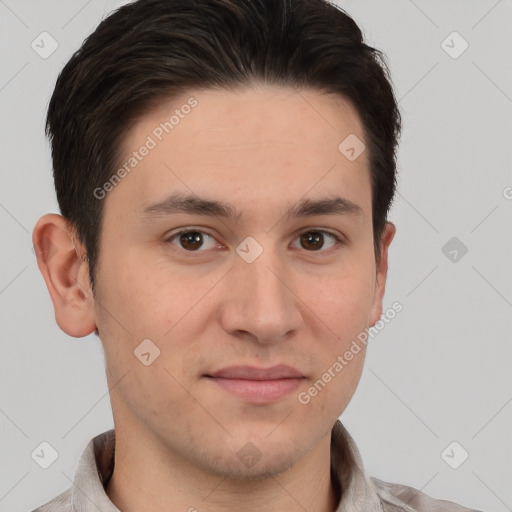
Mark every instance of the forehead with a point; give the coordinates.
(258, 144)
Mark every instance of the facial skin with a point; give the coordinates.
(261, 149)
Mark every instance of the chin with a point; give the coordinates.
(262, 468)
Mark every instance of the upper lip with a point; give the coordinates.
(280, 371)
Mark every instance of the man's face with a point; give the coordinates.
(210, 300)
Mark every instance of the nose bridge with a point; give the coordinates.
(265, 280)
(263, 303)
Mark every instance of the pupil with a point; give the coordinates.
(312, 237)
(192, 240)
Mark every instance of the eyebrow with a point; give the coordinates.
(194, 205)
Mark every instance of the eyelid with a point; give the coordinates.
(189, 229)
(339, 238)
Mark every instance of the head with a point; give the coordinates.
(242, 113)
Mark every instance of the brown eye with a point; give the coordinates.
(314, 240)
(191, 241)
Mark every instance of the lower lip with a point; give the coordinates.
(258, 391)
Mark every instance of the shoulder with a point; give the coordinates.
(401, 498)
(62, 503)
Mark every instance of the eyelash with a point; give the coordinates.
(339, 241)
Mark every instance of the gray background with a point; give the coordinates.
(438, 373)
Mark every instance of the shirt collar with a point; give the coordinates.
(93, 472)
(358, 494)
(96, 466)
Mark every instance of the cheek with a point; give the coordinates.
(150, 296)
(342, 303)
(152, 302)
(151, 393)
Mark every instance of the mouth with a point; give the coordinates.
(257, 385)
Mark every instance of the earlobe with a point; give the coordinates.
(382, 271)
(65, 272)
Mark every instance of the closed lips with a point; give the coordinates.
(254, 373)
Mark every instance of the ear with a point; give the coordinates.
(66, 273)
(382, 271)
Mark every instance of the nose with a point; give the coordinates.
(260, 302)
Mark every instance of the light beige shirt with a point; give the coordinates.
(359, 493)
